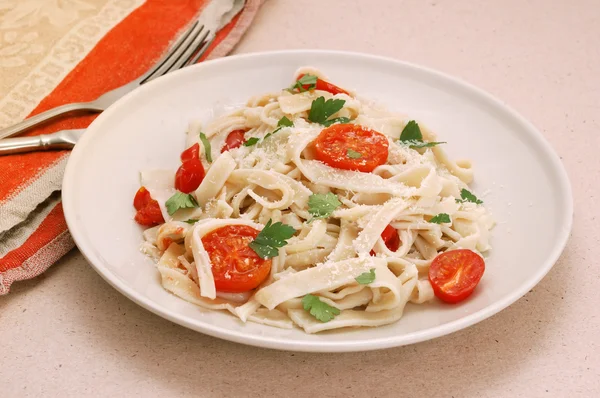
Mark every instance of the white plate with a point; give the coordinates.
(529, 192)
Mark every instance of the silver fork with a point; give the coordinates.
(186, 50)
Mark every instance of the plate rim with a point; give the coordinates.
(559, 172)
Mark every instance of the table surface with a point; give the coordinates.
(69, 333)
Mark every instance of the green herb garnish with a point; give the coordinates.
(271, 238)
(180, 200)
(321, 110)
(320, 310)
(441, 218)
(322, 205)
(366, 277)
(306, 80)
(411, 135)
(353, 154)
(340, 120)
(251, 141)
(206, 145)
(420, 144)
(411, 132)
(467, 196)
(283, 122)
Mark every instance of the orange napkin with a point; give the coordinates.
(33, 231)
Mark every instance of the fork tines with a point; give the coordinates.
(188, 48)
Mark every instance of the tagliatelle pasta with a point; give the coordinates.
(318, 210)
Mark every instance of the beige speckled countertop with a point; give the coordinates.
(68, 333)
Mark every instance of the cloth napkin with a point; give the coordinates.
(106, 46)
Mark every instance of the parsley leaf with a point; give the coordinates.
(411, 132)
(306, 80)
(285, 122)
(251, 141)
(413, 144)
(440, 218)
(467, 196)
(322, 205)
(366, 277)
(320, 110)
(320, 310)
(340, 120)
(207, 149)
(192, 221)
(180, 200)
(411, 135)
(271, 133)
(353, 154)
(271, 238)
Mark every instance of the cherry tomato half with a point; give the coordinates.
(191, 153)
(455, 274)
(189, 176)
(351, 147)
(390, 238)
(148, 211)
(235, 266)
(235, 139)
(325, 86)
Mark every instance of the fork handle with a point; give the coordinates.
(48, 115)
(59, 140)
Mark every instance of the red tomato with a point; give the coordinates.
(148, 210)
(455, 274)
(189, 176)
(141, 199)
(150, 215)
(234, 140)
(235, 266)
(191, 153)
(390, 238)
(325, 86)
(333, 144)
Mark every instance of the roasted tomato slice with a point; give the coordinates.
(189, 175)
(325, 86)
(455, 274)
(351, 147)
(235, 266)
(235, 139)
(148, 211)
